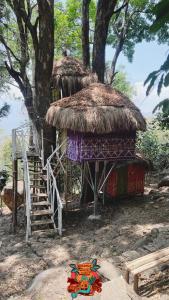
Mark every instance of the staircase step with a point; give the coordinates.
(41, 222)
(36, 179)
(45, 233)
(43, 177)
(41, 203)
(39, 195)
(39, 171)
(44, 212)
(37, 186)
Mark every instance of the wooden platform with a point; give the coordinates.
(145, 263)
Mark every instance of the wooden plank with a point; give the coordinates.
(40, 195)
(150, 265)
(43, 212)
(147, 258)
(37, 186)
(41, 222)
(41, 203)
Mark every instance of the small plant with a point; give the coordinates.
(3, 179)
(154, 146)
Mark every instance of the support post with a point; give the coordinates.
(96, 187)
(66, 182)
(15, 180)
(104, 175)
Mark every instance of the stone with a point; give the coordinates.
(130, 255)
(94, 217)
(154, 232)
(164, 182)
(161, 199)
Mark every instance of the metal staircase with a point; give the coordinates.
(42, 200)
(41, 213)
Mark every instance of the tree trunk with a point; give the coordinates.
(104, 13)
(85, 33)
(44, 54)
(115, 58)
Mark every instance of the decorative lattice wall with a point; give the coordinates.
(89, 146)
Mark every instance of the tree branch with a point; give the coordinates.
(125, 3)
(8, 48)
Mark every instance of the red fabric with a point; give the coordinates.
(136, 175)
(111, 187)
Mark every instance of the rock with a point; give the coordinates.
(161, 199)
(165, 172)
(144, 241)
(153, 191)
(164, 268)
(164, 182)
(94, 217)
(164, 190)
(156, 206)
(149, 248)
(154, 232)
(130, 255)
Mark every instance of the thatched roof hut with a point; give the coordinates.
(69, 76)
(97, 108)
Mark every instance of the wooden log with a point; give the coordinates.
(136, 283)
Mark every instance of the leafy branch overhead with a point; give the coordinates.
(160, 76)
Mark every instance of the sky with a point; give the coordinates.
(147, 58)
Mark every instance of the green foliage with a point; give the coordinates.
(68, 26)
(3, 178)
(133, 24)
(4, 110)
(160, 77)
(6, 155)
(161, 11)
(6, 158)
(122, 84)
(163, 115)
(153, 145)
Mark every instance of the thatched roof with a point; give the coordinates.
(97, 108)
(70, 75)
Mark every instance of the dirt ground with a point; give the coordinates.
(128, 229)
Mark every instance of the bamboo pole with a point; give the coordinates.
(96, 187)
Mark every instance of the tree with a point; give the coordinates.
(105, 10)
(85, 33)
(26, 28)
(160, 76)
(67, 25)
(121, 83)
(129, 27)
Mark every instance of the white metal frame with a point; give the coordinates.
(52, 188)
(20, 146)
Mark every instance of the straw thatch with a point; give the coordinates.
(70, 76)
(97, 108)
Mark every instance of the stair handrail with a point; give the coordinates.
(27, 187)
(52, 190)
(56, 150)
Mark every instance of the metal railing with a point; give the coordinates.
(27, 192)
(20, 146)
(52, 187)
